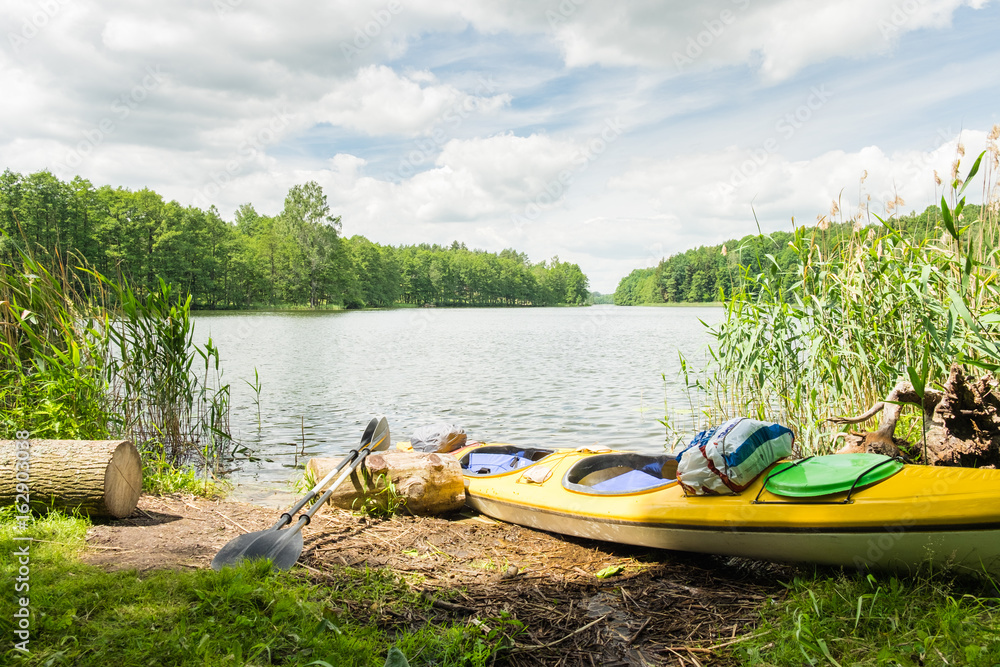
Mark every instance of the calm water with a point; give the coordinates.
(554, 377)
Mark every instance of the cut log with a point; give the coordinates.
(96, 477)
(427, 484)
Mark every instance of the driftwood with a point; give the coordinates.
(96, 477)
(428, 483)
(962, 423)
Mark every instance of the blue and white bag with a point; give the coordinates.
(725, 459)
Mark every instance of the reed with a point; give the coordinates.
(85, 356)
(832, 333)
(166, 391)
(52, 348)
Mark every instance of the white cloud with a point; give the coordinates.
(780, 37)
(378, 101)
(720, 187)
(256, 96)
(472, 180)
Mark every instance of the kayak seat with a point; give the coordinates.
(500, 459)
(620, 473)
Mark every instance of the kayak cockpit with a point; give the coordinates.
(620, 473)
(500, 459)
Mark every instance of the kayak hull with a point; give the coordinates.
(883, 549)
(921, 516)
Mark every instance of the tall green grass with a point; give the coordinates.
(53, 344)
(166, 391)
(84, 356)
(832, 334)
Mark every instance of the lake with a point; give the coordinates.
(552, 377)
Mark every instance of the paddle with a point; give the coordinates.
(258, 544)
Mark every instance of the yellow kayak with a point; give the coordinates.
(915, 515)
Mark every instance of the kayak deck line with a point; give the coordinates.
(738, 528)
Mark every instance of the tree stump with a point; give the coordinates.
(96, 477)
(426, 484)
(963, 423)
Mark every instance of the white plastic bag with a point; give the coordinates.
(441, 438)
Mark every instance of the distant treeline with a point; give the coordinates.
(599, 299)
(296, 257)
(709, 273)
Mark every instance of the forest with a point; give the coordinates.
(296, 258)
(710, 273)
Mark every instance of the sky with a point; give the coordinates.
(609, 134)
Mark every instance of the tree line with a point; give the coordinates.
(711, 273)
(297, 257)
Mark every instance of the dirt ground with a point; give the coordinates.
(663, 608)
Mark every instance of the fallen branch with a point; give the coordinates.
(715, 647)
(534, 647)
(447, 606)
(231, 521)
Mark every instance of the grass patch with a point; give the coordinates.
(859, 619)
(160, 477)
(81, 615)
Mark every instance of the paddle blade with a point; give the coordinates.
(232, 553)
(283, 547)
(366, 437)
(380, 440)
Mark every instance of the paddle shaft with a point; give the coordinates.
(290, 513)
(307, 517)
(366, 440)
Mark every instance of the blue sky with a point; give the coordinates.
(608, 134)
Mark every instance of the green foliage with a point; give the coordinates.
(294, 258)
(638, 288)
(597, 298)
(160, 477)
(381, 499)
(80, 615)
(159, 399)
(84, 357)
(858, 619)
(828, 330)
(53, 345)
(456, 275)
(713, 273)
